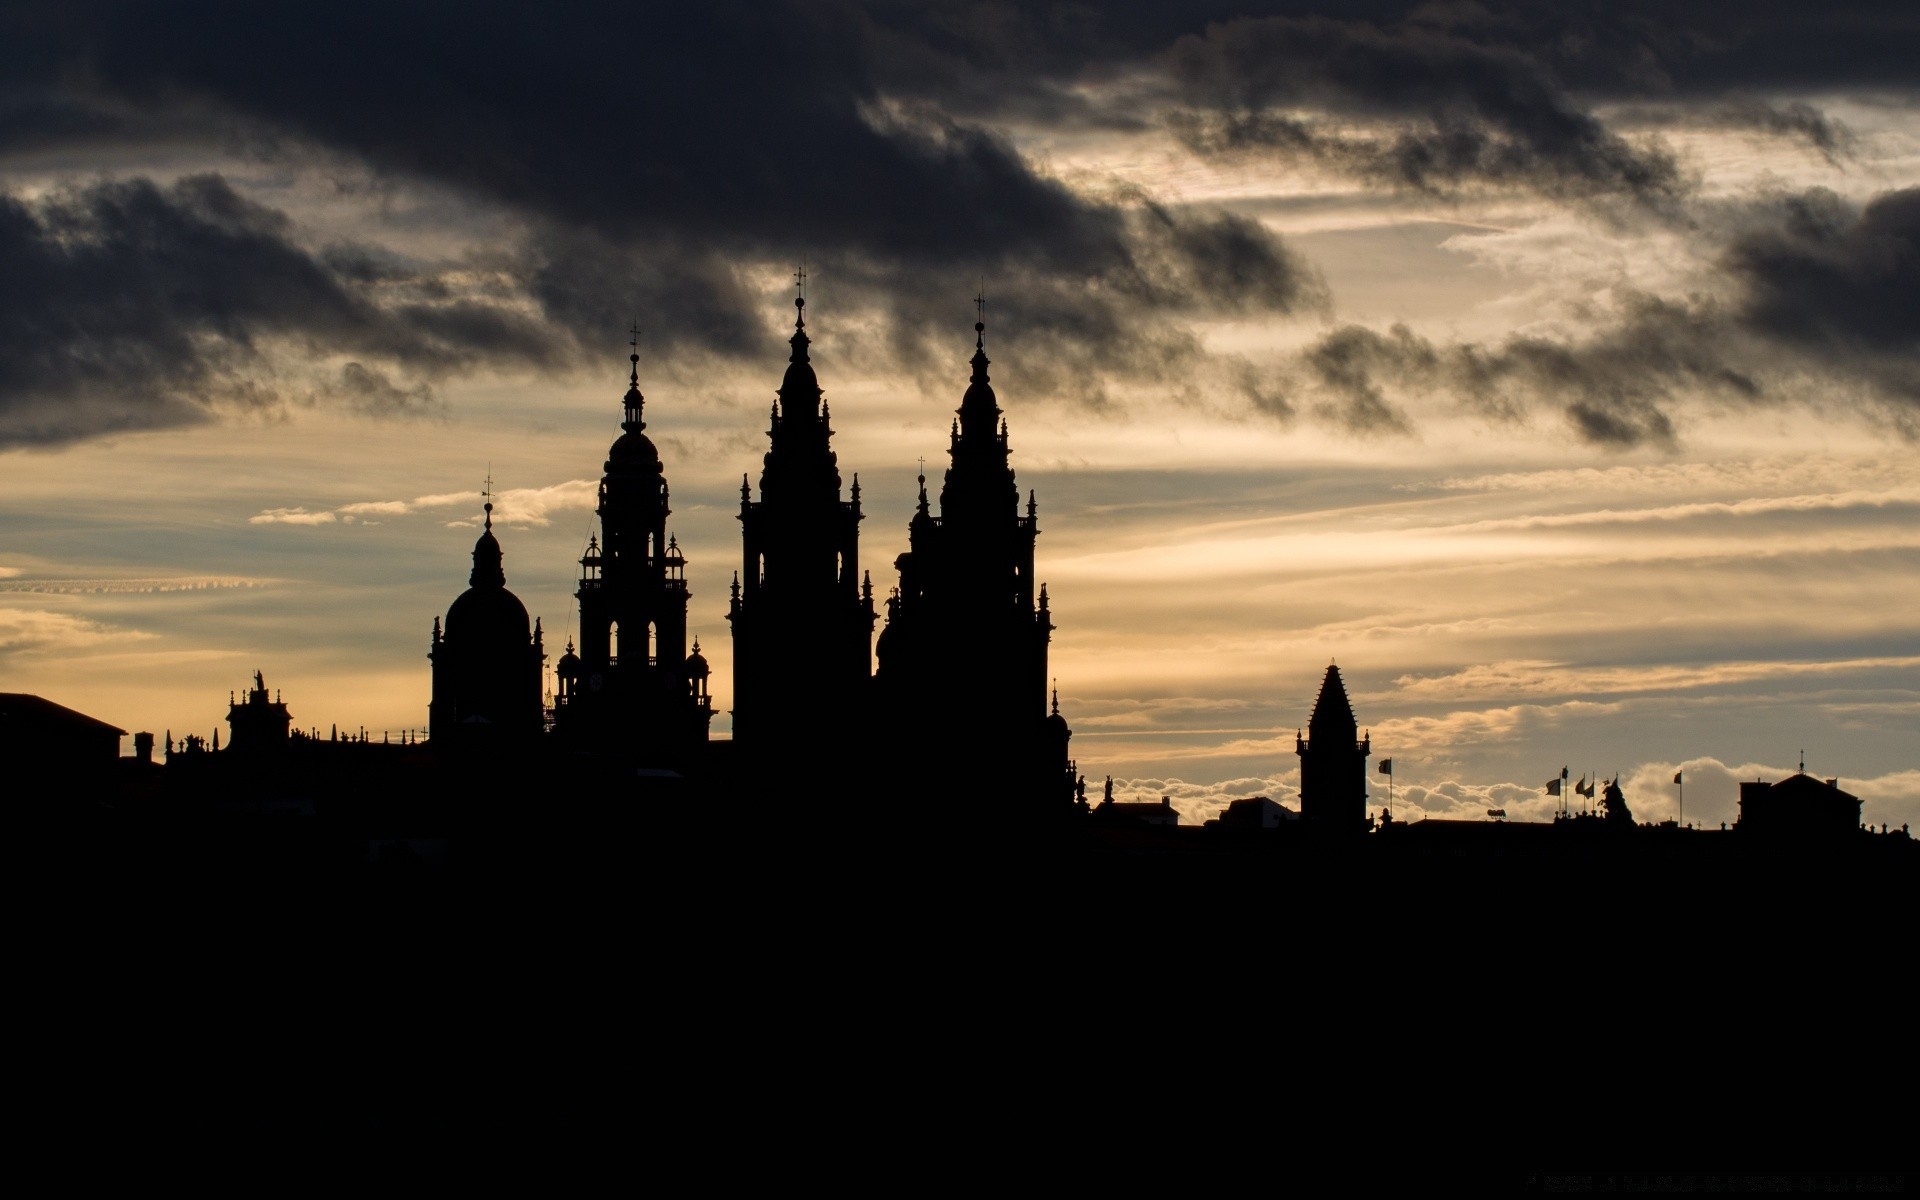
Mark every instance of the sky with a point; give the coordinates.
(1552, 369)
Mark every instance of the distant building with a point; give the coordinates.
(1333, 761)
(38, 735)
(1798, 806)
(487, 665)
(1136, 812)
(1256, 812)
(256, 724)
(962, 677)
(632, 688)
(801, 612)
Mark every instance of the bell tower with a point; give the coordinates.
(802, 612)
(1333, 761)
(963, 676)
(627, 689)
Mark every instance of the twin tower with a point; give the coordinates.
(955, 708)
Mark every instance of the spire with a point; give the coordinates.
(1332, 712)
(799, 340)
(634, 401)
(1056, 697)
(979, 407)
(487, 571)
(800, 389)
(980, 338)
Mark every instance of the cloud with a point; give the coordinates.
(1543, 678)
(513, 506)
(888, 195)
(1407, 104)
(1839, 284)
(1814, 300)
(199, 583)
(131, 305)
(291, 516)
(36, 633)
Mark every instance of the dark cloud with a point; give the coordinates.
(1613, 387)
(1839, 285)
(1436, 112)
(129, 305)
(656, 183)
(653, 169)
(1820, 303)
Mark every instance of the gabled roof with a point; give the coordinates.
(23, 709)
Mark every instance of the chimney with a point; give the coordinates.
(143, 747)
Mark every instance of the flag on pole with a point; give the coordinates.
(1553, 787)
(1676, 777)
(1386, 766)
(1583, 788)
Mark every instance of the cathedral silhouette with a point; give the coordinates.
(958, 697)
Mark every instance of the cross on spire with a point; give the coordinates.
(980, 322)
(634, 358)
(487, 494)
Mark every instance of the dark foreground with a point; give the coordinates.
(839, 997)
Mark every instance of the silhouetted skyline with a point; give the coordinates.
(1551, 373)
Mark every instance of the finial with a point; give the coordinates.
(800, 300)
(487, 492)
(980, 324)
(1056, 697)
(1803, 762)
(634, 358)
(696, 643)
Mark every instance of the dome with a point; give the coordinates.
(488, 615)
(697, 667)
(487, 612)
(633, 449)
(569, 665)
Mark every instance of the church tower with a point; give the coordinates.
(1333, 761)
(802, 613)
(629, 689)
(963, 659)
(487, 664)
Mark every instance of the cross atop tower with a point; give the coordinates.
(633, 340)
(487, 494)
(980, 322)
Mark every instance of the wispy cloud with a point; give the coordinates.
(194, 583)
(1545, 678)
(37, 633)
(515, 506)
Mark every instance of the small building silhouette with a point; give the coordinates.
(37, 733)
(256, 724)
(1798, 806)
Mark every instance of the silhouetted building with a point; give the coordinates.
(1333, 761)
(962, 677)
(632, 688)
(1256, 812)
(256, 724)
(802, 613)
(487, 664)
(1798, 806)
(38, 735)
